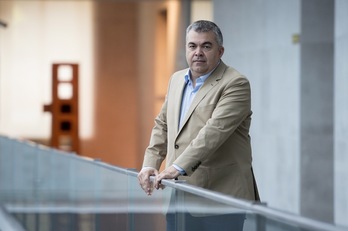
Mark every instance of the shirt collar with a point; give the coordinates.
(201, 78)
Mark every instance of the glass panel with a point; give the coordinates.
(50, 190)
(192, 212)
(146, 212)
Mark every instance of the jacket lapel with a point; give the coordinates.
(178, 99)
(211, 81)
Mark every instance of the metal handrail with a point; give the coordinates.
(8, 223)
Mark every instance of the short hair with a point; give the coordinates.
(206, 26)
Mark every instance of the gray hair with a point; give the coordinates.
(206, 26)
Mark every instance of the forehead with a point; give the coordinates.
(200, 37)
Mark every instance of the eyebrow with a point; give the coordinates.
(205, 43)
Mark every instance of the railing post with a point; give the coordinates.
(179, 213)
(260, 219)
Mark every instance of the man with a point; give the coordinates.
(203, 127)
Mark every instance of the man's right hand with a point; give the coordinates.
(144, 179)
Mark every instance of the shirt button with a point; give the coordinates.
(176, 146)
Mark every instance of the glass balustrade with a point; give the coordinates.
(43, 189)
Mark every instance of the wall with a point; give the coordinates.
(115, 124)
(341, 112)
(296, 62)
(258, 42)
(40, 33)
(170, 18)
(124, 70)
(316, 108)
(101, 38)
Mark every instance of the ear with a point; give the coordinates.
(221, 51)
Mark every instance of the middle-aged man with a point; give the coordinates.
(202, 129)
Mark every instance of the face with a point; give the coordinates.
(202, 52)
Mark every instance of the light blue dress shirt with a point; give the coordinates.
(189, 94)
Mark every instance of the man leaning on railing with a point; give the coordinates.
(202, 130)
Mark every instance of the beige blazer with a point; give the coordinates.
(213, 145)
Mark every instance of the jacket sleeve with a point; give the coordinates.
(156, 152)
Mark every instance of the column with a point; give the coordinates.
(316, 100)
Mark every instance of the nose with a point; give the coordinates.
(198, 52)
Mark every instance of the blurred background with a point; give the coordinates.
(294, 53)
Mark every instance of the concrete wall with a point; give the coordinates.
(258, 42)
(316, 118)
(341, 112)
(296, 62)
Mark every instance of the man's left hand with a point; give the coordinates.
(169, 173)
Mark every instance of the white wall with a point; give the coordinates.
(258, 42)
(40, 33)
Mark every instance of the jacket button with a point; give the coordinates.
(176, 146)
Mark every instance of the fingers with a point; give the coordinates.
(148, 185)
(157, 183)
(168, 173)
(144, 179)
(158, 179)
